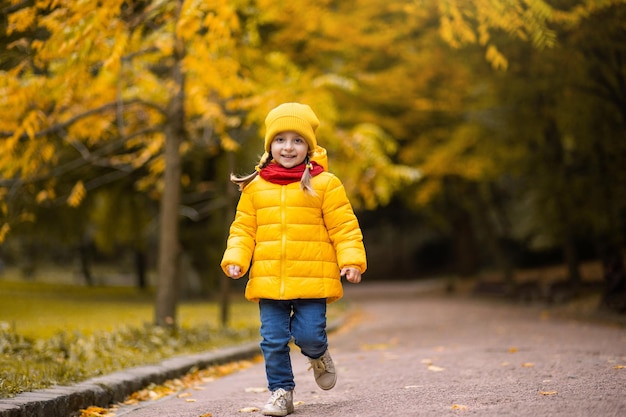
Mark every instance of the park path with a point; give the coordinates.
(406, 352)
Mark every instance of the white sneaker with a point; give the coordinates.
(279, 404)
(324, 371)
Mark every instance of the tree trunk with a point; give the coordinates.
(570, 256)
(228, 211)
(140, 267)
(85, 262)
(614, 272)
(169, 246)
(464, 244)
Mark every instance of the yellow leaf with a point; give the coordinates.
(512, 349)
(528, 365)
(434, 368)
(41, 196)
(619, 367)
(76, 196)
(548, 392)
(459, 407)
(4, 231)
(95, 412)
(378, 346)
(228, 143)
(249, 410)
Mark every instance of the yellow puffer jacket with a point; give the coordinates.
(297, 242)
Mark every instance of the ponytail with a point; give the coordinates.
(245, 180)
(305, 181)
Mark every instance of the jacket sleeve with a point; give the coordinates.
(343, 226)
(240, 244)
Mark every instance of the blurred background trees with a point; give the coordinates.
(471, 135)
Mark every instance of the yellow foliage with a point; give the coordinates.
(21, 20)
(496, 58)
(4, 231)
(77, 194)
(112, 81)
(228, 143)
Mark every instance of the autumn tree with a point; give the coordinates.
(127, 85)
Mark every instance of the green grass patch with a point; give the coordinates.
(41, 310)
(62, 334)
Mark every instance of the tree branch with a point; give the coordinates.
(85, 158)
(61, 126)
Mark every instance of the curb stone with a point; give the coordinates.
(102, 391)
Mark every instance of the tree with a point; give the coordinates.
(138, 101)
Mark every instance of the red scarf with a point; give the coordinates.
(278, 174)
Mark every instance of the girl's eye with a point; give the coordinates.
(299, 140)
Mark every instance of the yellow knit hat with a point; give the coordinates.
(291, 116)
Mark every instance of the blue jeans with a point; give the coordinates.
(302, 319)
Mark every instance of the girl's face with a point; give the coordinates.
(289, 149)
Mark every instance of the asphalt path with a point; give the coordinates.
(406, 352)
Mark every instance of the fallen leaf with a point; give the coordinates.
(298, 403)
(378, 346)
(459, 407)
(619, 367)
(249, 410)
(184, 395)
(435, 368)
(256, 389)
(427, 361)
(412, 386)
(512, 349)
(548, 392)
(190, 400)
(206, 415)
(528, 365)
(95, 412)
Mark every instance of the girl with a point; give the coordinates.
(295, 224)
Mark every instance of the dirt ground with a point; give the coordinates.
(408, 350)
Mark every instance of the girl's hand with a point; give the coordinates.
(353, 275)
(234, 271)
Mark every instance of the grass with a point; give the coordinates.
(41, 310)
(59, 334)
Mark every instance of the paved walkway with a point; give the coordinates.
(406, 353)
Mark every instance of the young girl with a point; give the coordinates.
(296, 225)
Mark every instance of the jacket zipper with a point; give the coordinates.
(283, 248)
